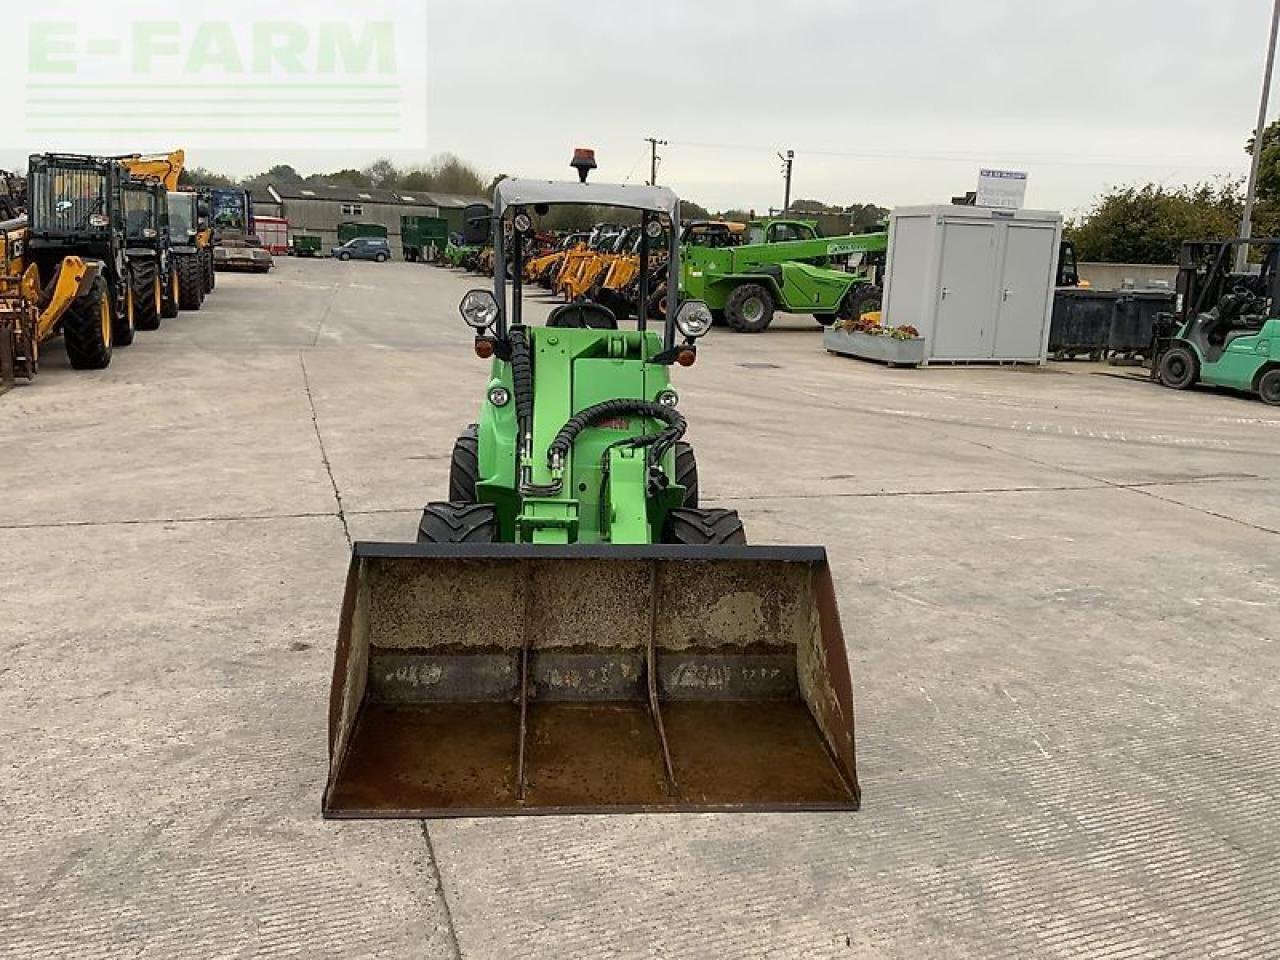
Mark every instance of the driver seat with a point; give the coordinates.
(582, 316)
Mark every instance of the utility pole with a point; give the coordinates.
(654, 159)
(789, 160)
(1246, 222)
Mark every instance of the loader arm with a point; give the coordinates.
(74, 278)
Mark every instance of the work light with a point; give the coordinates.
(654, 229)
(693, 319)
(523, 222)
(479, 309)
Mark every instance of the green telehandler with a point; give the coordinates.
(745, 284)
(573, 630)
(1228, 333)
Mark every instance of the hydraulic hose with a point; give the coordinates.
(660, 442)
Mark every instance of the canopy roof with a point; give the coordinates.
(527, 193)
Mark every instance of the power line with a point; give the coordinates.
(1048, 159)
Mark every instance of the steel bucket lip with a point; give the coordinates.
(372, 550)
(329, 812)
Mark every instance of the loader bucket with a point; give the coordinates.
(484, 680)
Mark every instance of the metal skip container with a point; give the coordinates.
(477, 680)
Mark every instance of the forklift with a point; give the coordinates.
(1226, 332)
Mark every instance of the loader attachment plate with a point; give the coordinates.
(477, 680)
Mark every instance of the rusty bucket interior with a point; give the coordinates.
(477, 680)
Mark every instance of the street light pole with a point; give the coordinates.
(1250, 199)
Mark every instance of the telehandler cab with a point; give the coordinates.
(77, 210)
(574, 631)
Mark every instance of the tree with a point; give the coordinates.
(202, 177)
(382, 173)
(1269, 168)
(451, 175)
(693, 211)
(348, 178)
(1149, 224)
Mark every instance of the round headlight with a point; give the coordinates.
(499, 396)
(654, 229)
(693, 319)
(479, 309)
(668, 398)
(523, 222)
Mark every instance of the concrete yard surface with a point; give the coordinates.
(1059, 588)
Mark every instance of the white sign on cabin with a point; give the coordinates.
(1002, 189)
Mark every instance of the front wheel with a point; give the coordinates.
(693, 527)
(344, 257)
(458, 523)
(144, 295)
(190, 282)
(749, 308)
(126, 319)
(87, 329)
(1269, 387)
(861, 300)
(1179, 368)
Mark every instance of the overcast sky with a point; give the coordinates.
(893, 102)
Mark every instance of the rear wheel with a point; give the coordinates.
(190, 282)
(694, 527)
(144, 294)
(87, 329)
(458, 523)
(381, 258)
(1269, 387)
(1179, 368)
(464, 467)
(687, 473)
(749, 308)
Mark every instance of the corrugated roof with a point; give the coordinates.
(344, 194)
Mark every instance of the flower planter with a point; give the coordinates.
(867, 346)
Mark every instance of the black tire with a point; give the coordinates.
(125, 328)
(144, 290)
(458, 523)
(87, 332)
(1269, 387)
(190, 281)
(862, 299)
(168, 298)
(464, 467)
(381, 258)
(209, 271)
(749, 308)
(687, 473)
(704, 527)
(1179, 367)
(344, 257)
(826, 319)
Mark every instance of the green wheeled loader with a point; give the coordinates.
(573, 630)
(1228, 334)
